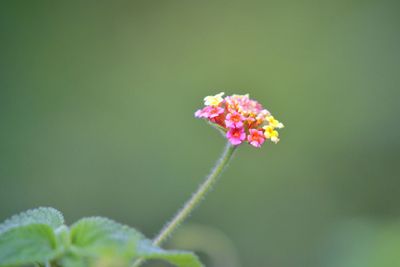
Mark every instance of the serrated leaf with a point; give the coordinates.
(27, 244)
(101, 236)
(48, 216)
(147, 250)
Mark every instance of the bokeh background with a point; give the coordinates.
(96, 111)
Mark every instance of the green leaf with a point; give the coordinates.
(27, 244)
(103, 242)
(101, 236)
(39, 236)
(48, 216)
(147, 250)
(30, 237)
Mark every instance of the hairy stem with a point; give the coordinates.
(195, 199)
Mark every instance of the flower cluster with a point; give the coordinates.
(241, 118)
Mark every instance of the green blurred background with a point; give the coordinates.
(96, 111)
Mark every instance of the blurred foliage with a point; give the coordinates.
(97, 101)
(363, 243)
(215, 247)
(39, 237)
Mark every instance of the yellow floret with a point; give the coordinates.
(274, 123)
(213, 100)
(270, 133)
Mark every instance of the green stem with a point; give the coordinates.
(195, 199)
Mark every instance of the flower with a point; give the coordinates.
(241, 119)
(209, 112)
(256, 138)
(272, 134)
(236, 136)
(234, 120)
(274, 123)
(213, 100)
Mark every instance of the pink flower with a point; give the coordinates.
(236, 136)
(234, 120)
(256, 138)
(209, 112)
(200, 114)
(243, 104)
(215, 112)
(241, 119)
